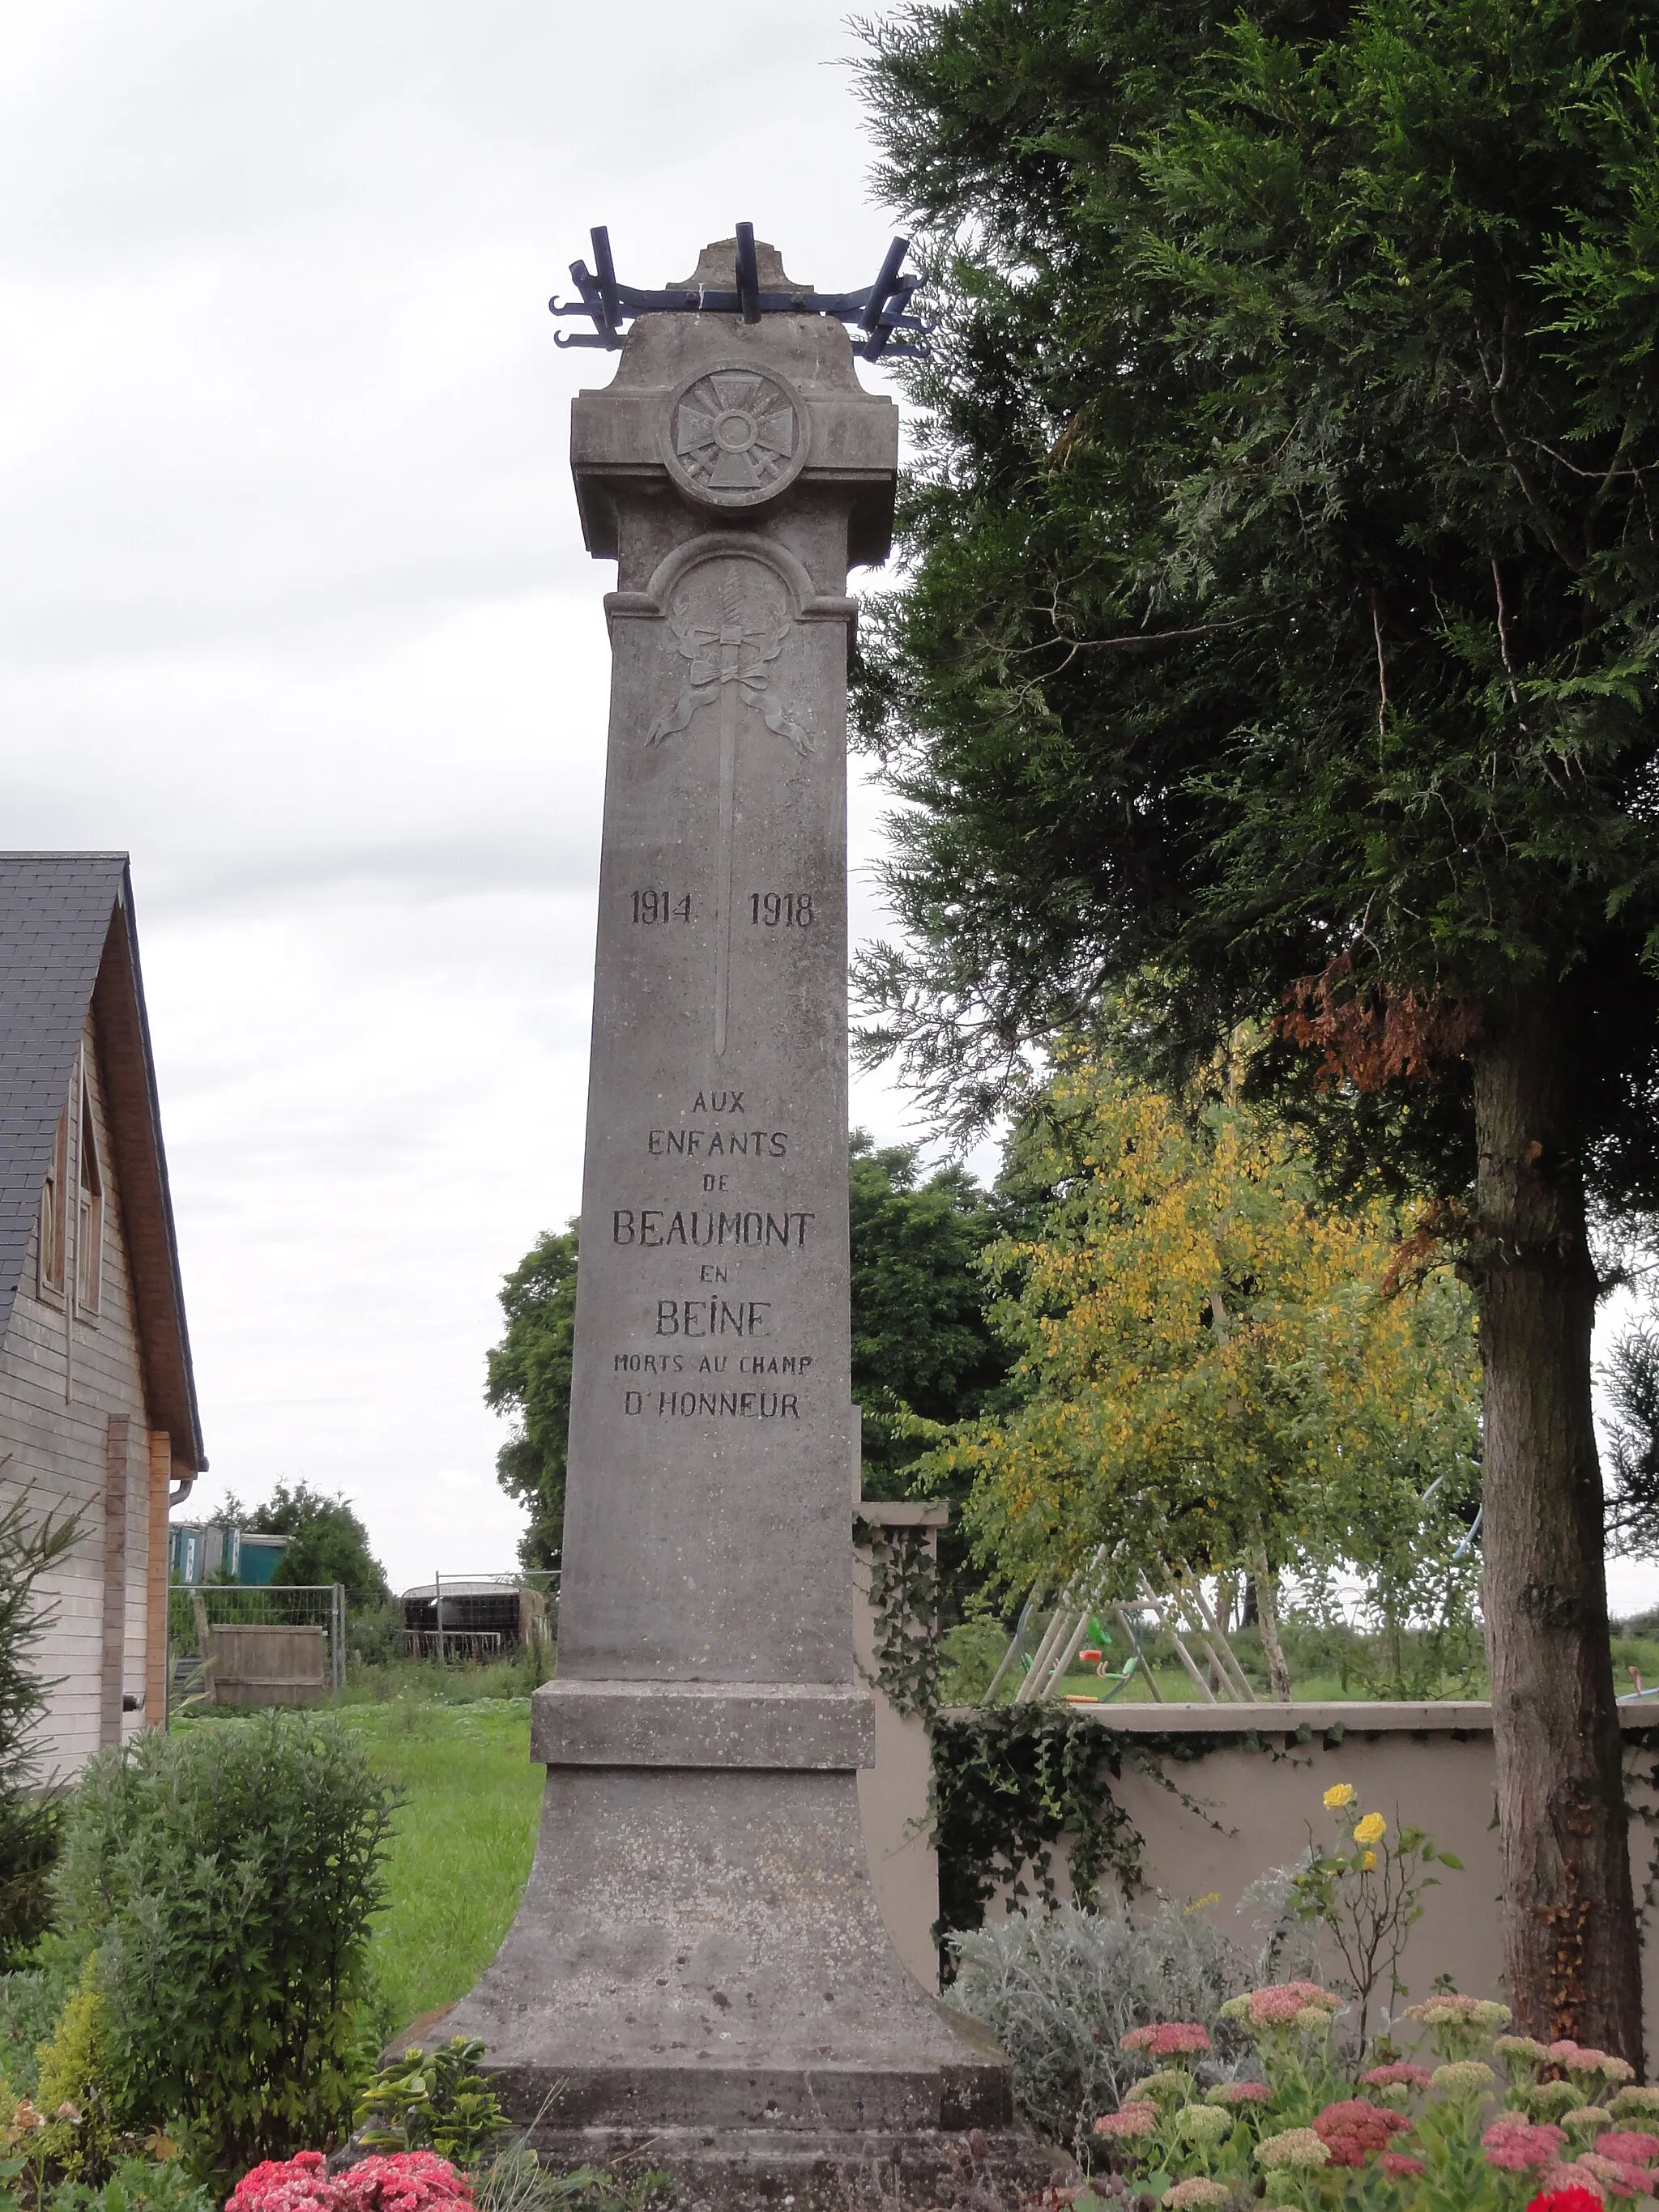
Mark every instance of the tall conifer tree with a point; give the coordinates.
(1282, 626)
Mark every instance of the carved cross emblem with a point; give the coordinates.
(736, 648)
(735, 434)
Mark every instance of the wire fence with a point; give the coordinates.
(460, 1618)
(194, 1613)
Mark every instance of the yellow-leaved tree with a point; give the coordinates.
(1217, 1374)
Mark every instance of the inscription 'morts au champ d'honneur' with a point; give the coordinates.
(715, 1405)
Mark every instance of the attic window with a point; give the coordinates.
(53, 1200)
(89, 1226)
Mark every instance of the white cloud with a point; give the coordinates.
(294, 605)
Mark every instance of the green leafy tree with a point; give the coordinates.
(327, 1542)
(528, 1377)
(1280, 638)
(1213, 1378)
(921, 1343)
(922, 1346)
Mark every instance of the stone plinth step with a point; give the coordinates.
(824, 2170)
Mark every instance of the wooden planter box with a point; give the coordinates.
(268, 1666)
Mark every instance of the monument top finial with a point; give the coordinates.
(738, 275)
(717, 265)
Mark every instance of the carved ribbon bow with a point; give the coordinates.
(730, 651)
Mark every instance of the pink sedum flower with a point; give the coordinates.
(1400, 2074)
(1400, 2166)
(1519, 2146)
(1584, 2058)
(1281, 2005)
(1136, 2119)
(1618, 2179)
(1168, 2039)
(1634, 2149)
(1352, 2129)
(1566, 2189)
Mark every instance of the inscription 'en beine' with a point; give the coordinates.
(712, 1317)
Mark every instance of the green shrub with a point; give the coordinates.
(30, 1548)
(1059, 1990)
(137, 2185)
(433, 2100)
(31, 1998)
(75, 2069)
(374, 1634)
(226, 1878)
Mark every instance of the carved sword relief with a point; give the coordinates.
(731, 642)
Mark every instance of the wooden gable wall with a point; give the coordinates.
(74, 1419)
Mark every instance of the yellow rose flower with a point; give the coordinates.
(1371, 1829)
(1339, 1795)
(1368, 1862)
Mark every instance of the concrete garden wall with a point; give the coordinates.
(1254, 1787)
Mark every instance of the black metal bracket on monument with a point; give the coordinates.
(878, 311)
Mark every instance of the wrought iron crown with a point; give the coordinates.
(876, 312)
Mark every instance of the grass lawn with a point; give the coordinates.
(463, 1842)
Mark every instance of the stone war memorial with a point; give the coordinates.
(698, 1970)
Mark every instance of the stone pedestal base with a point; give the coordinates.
(751, 2170)
(699, 1978)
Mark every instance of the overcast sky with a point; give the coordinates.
(293, 606)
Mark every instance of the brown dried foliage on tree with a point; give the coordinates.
(1371, 1036)
(1375, 1035)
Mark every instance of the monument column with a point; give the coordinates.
(699, 1958)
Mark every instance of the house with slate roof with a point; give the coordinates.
(98, 1413)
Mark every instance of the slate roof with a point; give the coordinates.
(67, 942)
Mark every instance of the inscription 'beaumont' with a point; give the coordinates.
(654, 1226)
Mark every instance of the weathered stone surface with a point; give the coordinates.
(759, 1724)
(820, 2171)
(699, 1955)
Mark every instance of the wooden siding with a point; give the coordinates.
(74, 1419)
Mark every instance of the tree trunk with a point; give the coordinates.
(1568, 1920)
(1267, 1612)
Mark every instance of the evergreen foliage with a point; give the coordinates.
(30, 1548)
(1280, 641)
(1630, 1381)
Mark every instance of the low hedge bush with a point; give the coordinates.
(219, 1885)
